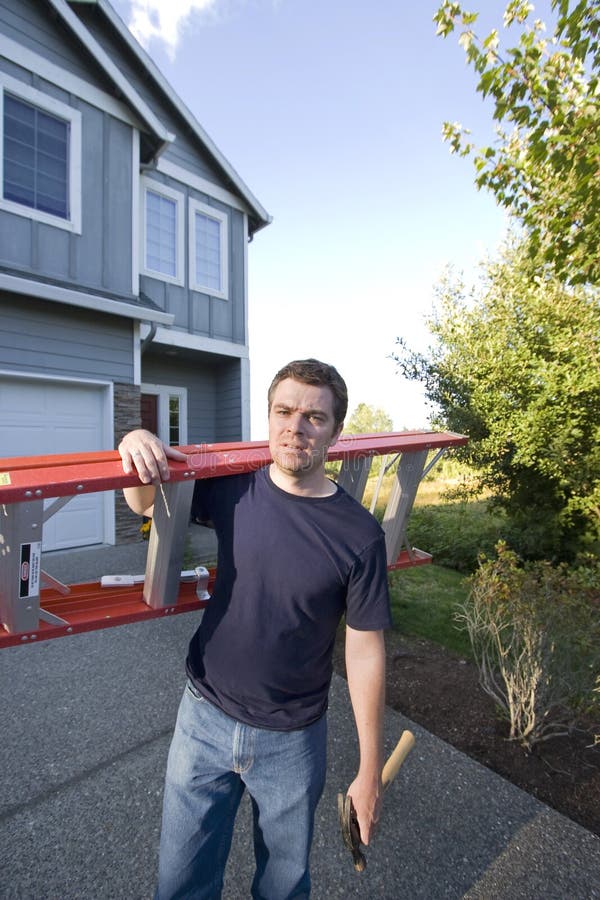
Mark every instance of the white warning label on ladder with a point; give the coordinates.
(30, 569)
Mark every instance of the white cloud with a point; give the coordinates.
(164, 20)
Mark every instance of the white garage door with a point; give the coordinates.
(41, 417)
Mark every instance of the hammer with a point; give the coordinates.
(348, 820)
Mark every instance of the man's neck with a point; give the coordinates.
(313, 484)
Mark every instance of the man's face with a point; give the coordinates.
(301, 426)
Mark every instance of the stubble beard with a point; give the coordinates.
(303, 462)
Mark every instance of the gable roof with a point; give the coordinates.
(258, 216)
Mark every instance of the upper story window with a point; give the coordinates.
(208, 250)
(162, 230)
(40, 157)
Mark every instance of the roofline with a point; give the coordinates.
(57, 294)
(260, 214)
(156, 127)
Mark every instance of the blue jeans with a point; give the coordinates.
(212, 760)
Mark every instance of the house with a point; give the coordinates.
(123, 255)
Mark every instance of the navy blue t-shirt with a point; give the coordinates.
(289, 568)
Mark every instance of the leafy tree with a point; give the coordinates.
(367, 419)
(544, 166)
(516, 366)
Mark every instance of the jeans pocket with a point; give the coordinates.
(195, 693)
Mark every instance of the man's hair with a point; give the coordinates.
(312, 371)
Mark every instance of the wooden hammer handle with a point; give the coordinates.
(397, 757)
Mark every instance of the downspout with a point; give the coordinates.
(148, 339)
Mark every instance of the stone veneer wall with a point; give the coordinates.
(127, 417)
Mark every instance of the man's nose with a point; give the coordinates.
(294, 422)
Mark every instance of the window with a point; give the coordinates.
(208, 250)
(40, 157)
(162, 211)
(174, 420)
(164, 412)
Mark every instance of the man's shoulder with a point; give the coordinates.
(358, 514)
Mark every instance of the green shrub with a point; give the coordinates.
(535, 634)
(456, 534)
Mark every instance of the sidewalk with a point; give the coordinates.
(86, 725)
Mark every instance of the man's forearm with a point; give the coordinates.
(140, 499)
(365, 666)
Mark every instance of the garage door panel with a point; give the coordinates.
(79, 439)
(21, 440)
(82, 516)
(40, 417)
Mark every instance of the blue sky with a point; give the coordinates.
(331, 112)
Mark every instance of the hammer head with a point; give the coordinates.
(351, 831)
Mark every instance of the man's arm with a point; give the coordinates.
(365, 666)
(143, 452)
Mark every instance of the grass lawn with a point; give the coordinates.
(424, 599)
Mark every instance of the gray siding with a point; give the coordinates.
(196, 373)
(214, 395)
(196, 312)
(35, 25)
(100, 258)
(58, 340)
(185, 151)
(229, 402)
(46, 337)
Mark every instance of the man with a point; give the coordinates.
(295, 554)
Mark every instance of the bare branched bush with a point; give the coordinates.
(535, 634)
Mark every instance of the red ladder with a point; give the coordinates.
(34, 606)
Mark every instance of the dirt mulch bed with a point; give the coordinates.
(441, 692)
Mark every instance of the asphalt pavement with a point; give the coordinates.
(86, 723)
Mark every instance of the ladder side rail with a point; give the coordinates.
(401, 500)
(21, 526)
(354, 474)
(380, 477)
(51, 476)
(166, 544)
(434, 461)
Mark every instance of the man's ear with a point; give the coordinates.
(336, 434)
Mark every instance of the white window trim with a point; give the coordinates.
(73, 117)
(163, 392)
(149, 184)
(194, 207)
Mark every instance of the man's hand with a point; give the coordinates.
(145, 453)
(366, 798)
